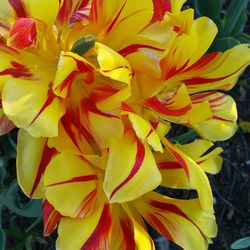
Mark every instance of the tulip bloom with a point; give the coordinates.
(87, 194)
(94, 87)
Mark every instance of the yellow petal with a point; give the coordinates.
(69, 66)
(194, 176)
(32, 158)
(92, 232)
(43, 10)
(210, 162)
(120, 19)
(217, 70)
(32, 106)
(205, 29)
(182, 221)
(222, 124)
(145, 132)
(141, 235)
(78, 181)
(112, 64)
(130, 167)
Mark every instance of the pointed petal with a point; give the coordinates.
(194, 175)
(112, 64)
(217, 70)
(222, 125)
(128, 179)
(181, 221)
(210, 162)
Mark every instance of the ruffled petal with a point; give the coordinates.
(192, 177)
(222, 124)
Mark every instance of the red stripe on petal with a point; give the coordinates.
(181, 161)
(47, 154)
(19, 8)
(50, 98)
(126, 107)
(135, 47)
(112, 24)
(169, 165)
(50, 218)
(203, 61)
(23, 33)
(65, 10)
(128, 234)
(204, 80)
(159, 107)
(101, 93)
(76, 179)
(169, 207)
(99, 238)
(160, 8)
(140, 155)
(159, 226)
(86, 205)
(19, 70)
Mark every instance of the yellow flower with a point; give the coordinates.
(98, 206)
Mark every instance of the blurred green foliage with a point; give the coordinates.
(230, 22)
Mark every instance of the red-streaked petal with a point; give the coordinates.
(33, 156)
(5, 124)
(181, 221)
(128, 181)
(92, 232)
(222, 124)
(160, 8)
(51, 218)
(23, 33)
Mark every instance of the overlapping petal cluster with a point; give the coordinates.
(94, 87)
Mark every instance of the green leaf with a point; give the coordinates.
(243, 37)
(222, 44)
(31, 209)
(239, 26)
(233, 15)
(185, 138)
(241, 243)
(209, 8)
